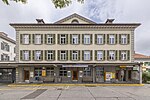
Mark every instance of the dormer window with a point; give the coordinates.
(75, 21)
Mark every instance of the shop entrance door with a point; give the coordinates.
(75, 75)
(26, 75)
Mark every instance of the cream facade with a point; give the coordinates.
(76, 49)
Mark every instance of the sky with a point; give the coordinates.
(123, 11)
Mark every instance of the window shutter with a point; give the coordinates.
(66, 55)
(58, 38)
(91, 55)
(1, 57)
(71, 39)
(78, 38)
(45, 38)
(41, 54)
(119, 54)
(107, 55)
(46, 55)
(95, 38)
(104, 39)
(53, 38)
(66, 38)
(2, 46)
(119, 38)
(82, 55)
(21, 42)
(71, 54)
(128, 54)
(53, 54)
(29, 54)
(41, 38)
(82, 38)
(95, 54)
(21, 54)
(79, 55)
(8, 47)
(103, 54)
(33, 38)
(58, 52)
(33, 54)
(107, 38)
(91, 39)
(116, 37)
(116, 55)
(128, 38)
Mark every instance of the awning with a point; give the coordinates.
(75, 65)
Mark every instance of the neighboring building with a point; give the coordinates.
(143, 59)
(7, 57)
(76, 49)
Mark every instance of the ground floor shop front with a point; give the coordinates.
(78, 73)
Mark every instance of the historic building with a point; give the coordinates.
(7, 56)
(76, 49)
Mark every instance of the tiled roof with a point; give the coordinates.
(137, 55)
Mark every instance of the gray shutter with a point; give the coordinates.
(103, 38)
(119, 54)
(33, 55)
(45, 38)
(29, 38)
(33, 38)
(91, 39)
(116, 38)
(128, 54)
(78, 38)
(58, 37)
(21, 54)
(58, 53)
(108, 55)
(82, 54)
(103, 54)
(21, 36)
(41, 38)
(29, 54)
(82, 38)
(91, 55)
(66, 39)
(95, 54)
(46, 55)
(8, 47)
(78, 55)
(66, 54)
(119, 38)
(2, 57)
(53, 38)
(71, 54)
(116, 55)
(128, 38)
(41, 54)
(2, 46)
(95, 38)
(71, 39)
(107, 38)
(53, 54)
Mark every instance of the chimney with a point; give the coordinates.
(40, 21)
(109, 21)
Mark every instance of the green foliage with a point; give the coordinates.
(145, 77)
(57, 3)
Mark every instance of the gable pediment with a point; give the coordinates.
(75, 19)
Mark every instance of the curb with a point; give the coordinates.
(90, 85)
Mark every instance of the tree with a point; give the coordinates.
(57, 3)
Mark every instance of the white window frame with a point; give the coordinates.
(123, 55)
(99, 39)
(38, 55)
(26, 39)
(99, 55)
(111, 39)
(38, 38)
(112, 55)
(75, 55)
(49, 55)
(123, 39)
(87, 39)
(26, 55)
(74, 39)
(62, 39)
(63, 55)
(87, 55)
(87, 71)
(49, 39)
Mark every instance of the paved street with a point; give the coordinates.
(75, 93)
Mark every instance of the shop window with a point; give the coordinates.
(99, 71)
(38, 72)
(87, 71)
(62, 72)
(50, 71)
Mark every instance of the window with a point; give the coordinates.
(100, 71)
(49, 39)
(123, 39)
(74, 39)
(38, 39)
(87, 39)
(111, 55)
(99, 55)
(26, 55)
(111, 39)
(63, 39)
(38, 72)
(4, 46)
(50, 71)
(4, 57)
(38, 55)
(75, 21)
(63, 55)
(87, 71)
(86, 55)
(50, 55)
(62, 72)
(123, 55)
(75, 55)
(99, 39)
(25, 39)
